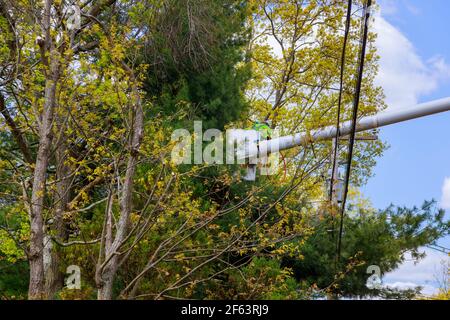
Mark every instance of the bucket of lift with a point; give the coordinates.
(338, 187)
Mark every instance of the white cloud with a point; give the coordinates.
(424, 274)
(403, 74)
(426, 289)
(445, 199)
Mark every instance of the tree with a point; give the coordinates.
(38, 35)
(443, 280)
(86, 176)
(371, 237)
(197, 62)
(296, 52)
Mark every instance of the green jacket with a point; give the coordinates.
(265, 132)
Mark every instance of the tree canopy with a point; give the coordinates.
(86, 177)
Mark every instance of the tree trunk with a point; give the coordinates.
(36, 252)
(36, 286)
(54, 277)
(105, 291)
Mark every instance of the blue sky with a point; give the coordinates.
(414, 67)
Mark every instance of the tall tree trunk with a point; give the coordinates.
(36, 286)
(50, 59)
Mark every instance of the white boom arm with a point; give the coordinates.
(363, 124)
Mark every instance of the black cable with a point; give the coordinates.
(341, 88)
(366, 17)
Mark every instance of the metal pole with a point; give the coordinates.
(365, 123)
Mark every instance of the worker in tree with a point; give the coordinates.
(263, 129)
(264, 132)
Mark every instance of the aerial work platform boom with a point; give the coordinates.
(366, 123)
